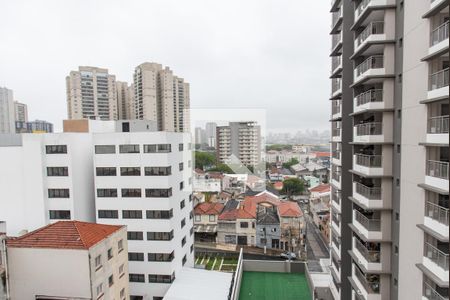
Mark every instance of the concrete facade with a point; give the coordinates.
(6, 111)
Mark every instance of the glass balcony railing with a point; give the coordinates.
(437, 256)
(336, 176)
(373, 62)
(371, 193)
(369, 129)
(336, 107)
(336, 154)
(372, 28)
(336, 197)
(431, 294)
(438, 213)
(336, 241)
(335, 62)
(437, 169)
(362, 6)
(369, 96)
(336, 219)
(439, 34)
(371, 282)
(336, 132)
(369, 224)
(438, 125)
(336, 84)
(336, 38)
(370, 161)
(438, 80)
(371, 256)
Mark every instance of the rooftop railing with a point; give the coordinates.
(369, 96)
(437, 212)
(437, 256)
(369, 224)
(373, 62)
(437, 169)
(371, 256)
(371, 283)
(371, 161)
(438, 80)
(375, 128)
(439, 34)
(371, 193)
(438, 125)
(372, 28)
(431, 294)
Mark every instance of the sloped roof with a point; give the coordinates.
(208, 208)
(65, 235)
(321, 188)
(289, 209)
(322, 154)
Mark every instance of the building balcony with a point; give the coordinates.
(369, 165)
(373, 132)
(437, 130)
(336, 135)
(437, 174)
(336, 20)
(369, 197)
(367, 285)
(336, 244)
(374, 99)
(335, 221)
(336, 157)
(336, 200)
(439, 39)
(335, 290)
(437, 218)
(430, 293)
(373, 34)
(369, 258)
(336, 179)
(336, 88)
(370, 228)
(336, 108)
(336, 43)
(436, 261)
(373, 66)
(336, 65)
(438, 84)
(366, 5)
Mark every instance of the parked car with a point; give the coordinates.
(288, 255)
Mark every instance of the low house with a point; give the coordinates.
(310, 169)
(267, 226)
(319, 207)
(237, 226)
(311, 181)
(205, 221)
(234, 183)
(292, 226)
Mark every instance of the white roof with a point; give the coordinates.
(199, 284)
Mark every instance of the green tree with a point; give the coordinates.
(293, 186)
(204, 160)
(223, 168)
(290, 163)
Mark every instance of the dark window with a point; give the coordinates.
(158, 171)
(137, 297)
(130, 171)
(129, 148)
(180, 147)
(156, 278)
(106, 171)
(191, 215)
(158, 193)
(183, 222)
(60, 214)
(58, 193)
(190, 198)
(192, 248)
(105, 149)
(57, 171)
(159, 214)
(110, 253)
(137, 278)
(135, 256)
(136, 193)
(108, 214)
(56, 149)
(135, 235)
(160, 256)
(244, 224)
(157, 148)
(182, 204)
(110, 280)
(132, 214)
(107, 193)
(126, 127)
(181, 185)
(180, 166)
(191, 231)
(160, 236)
(183, 242)
(184, 260)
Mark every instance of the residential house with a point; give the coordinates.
(292, 226)
(267, 226)
(310, 169)
(319, 207)
(206, 216)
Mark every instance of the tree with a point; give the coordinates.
(291, 162)
(222, 168)
(293, 186)
(204, 160)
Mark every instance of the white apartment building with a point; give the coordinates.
(144, 180)
(91, 94)
(20, 112)
(6, 111)
(68, 260)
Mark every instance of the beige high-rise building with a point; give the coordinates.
(20, 111)
(161, 96)
(125, 101)
(6, 111)
(91, 94)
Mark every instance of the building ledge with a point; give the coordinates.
(432, 189)
(368, 77)
(355, 230)
(433, 233)
(362, 267)
(435, 9)
(435, 54)
(433, 144)
(370, 110)
(366, 207)
(434, 278)
(367, 44)
(431, 100)
(369, 176)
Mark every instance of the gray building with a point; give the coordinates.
(6, 111)
(268, 232)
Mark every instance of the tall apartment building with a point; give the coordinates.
(241, 140)
(211, 132)
(161, 96)
(390, 210)
(125, 101)
(144, 181)
(91, 94)
(20, 112)
(6, 111)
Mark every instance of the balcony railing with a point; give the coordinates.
(337, 197)
(336, 132)
(362, 6)
(369, 96)
(373, 62)
(438, 124)
(371, 193)
(336, 84)
(371, 161)
(438, 213)
(336, 16)
(371, 283)
(336, 154)
(335, 62)
(369, 224)
(437, 169)
(372, 28)
(336, 176)
(335, 218)
(336, 240)
(431, 294)
(439, 34)
(370, 255)
(438, 80)
(437, 256)
(369, 129)
(336, 39)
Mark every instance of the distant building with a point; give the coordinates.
(125, 101)
(310, 169)
(210, 130)
(20, 112)
(6, 111)
(37, 126)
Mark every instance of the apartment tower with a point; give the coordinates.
(389, 141)
(125, 101)
(7, 115)
(20, 112)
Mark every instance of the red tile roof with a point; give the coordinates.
(289, 209)
(322, 154)
(65, 235)
(208, 208)
(278, 185)
(321, 188)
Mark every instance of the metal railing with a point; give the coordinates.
(335, 62)
(439, 34)
(438, 80)
(436, 168)
(371, 193)
(336, 38)
(371, 283)
(335, 218)
(336, 84)
(336, 197)
(437, 256)
(336, 241)
(370, 161)
(371, 256)
(336, 16)
(336, 107)
(336, 154)
(369, 96)
(369, 224)
(336, 132)
(376, 27)
(336, 176)
(431, 294)
(438, 124)
(375, 128)
(437, 212)
(373, 62)
(362, 6)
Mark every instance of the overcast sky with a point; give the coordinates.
(234, 53)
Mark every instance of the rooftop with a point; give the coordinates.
(208, 208)
(65, 235)
(321, 188)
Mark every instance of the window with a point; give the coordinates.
(183, 222)
(122, 293)
(160, 236)
(244, 224)
(56, 149)
(263, 241)
(183, 242)
(120, 245)
(190, 198)
(157, 148)
(126, 127)
(191, 231)
(159, 214)
(135, 256)
(137, 277)
(189, 163)
(110, 253)
(181, 185)
(184, 260)
(57, 171)
(198, 218)
(105, 171)
(158, 171)
(191, 215)
(192, 248)
(59, 214)
(158, 193)
(130, 171)
(156, 278)
(131, 193)
(111, 280)
(98, 262)
(135, 235)
(131, 214)
(99, 290)
(180, 166)
(161, 256)
(129, 148)
(182, 204)
(121, 270)
(105, 149)
(108, 214)
(212, 218)
(102, 193)
(180, 147)
(58, 193)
